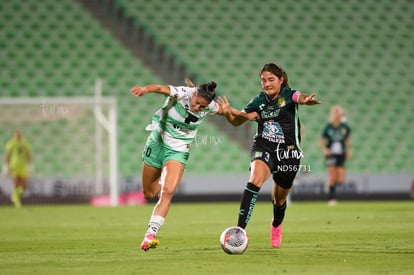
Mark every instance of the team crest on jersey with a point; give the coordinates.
(281, 102)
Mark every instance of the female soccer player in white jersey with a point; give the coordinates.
(276, 148)
(173, 129)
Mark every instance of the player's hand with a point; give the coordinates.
(310, 100)
(326, 152)
(138, 91)
(224, 104)
(5, 170)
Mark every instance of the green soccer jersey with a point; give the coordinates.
(19, 151)
(174, 124)
(335, 137)
(279, 123)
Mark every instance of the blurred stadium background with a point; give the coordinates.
(358, 54)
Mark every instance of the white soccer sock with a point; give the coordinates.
(155, 224)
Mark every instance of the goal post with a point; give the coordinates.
(73, 140)
(110, 125)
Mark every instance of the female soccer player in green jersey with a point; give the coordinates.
(335, 143)
(173, 129)
(276, 147)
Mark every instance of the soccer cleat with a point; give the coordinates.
(275, 235)
(149, 242)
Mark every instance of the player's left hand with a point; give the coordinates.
(311, 100)
(30, 168)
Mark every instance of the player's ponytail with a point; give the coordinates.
(189, 83)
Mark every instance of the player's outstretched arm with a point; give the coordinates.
(308, 99)
(151, 88)
(233, 116)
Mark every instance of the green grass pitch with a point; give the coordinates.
(350, 238)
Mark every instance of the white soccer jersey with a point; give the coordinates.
(174, 124)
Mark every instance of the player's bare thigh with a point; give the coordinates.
(259, 172)
(20, 181)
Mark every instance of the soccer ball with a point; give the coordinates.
(234, 240)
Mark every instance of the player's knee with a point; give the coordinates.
(280, 202)
(148, 194)
(167, 192)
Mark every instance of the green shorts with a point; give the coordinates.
(156, 154)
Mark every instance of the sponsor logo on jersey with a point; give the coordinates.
(273, 132)
(270, 113)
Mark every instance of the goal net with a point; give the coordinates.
(73, 144)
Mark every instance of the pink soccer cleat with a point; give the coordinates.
(149, 242)
(276, 235)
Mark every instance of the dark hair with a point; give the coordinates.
(207, 90)
(276, 70)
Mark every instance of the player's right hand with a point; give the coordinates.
(5, 170)
(137, 91)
